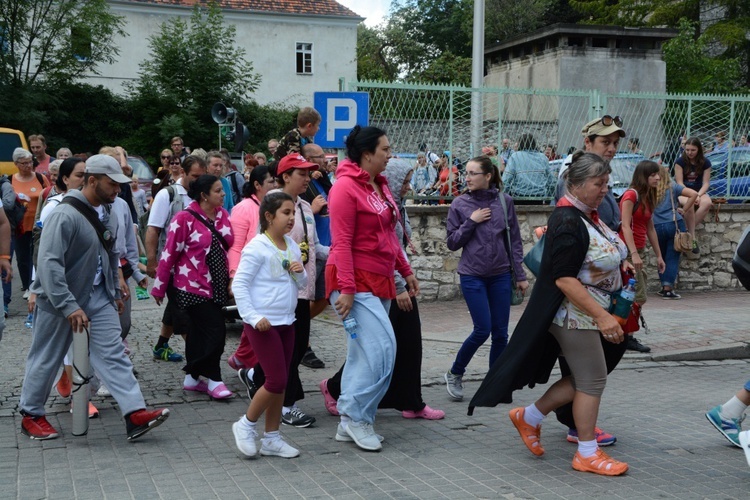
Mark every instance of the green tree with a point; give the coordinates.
(55, 41)
(192, 65)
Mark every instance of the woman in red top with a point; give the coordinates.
(359, 279)
(637, 207)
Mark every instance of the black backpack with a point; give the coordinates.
(741, 259)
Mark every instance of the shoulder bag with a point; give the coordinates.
(516, 297)
(683, 242)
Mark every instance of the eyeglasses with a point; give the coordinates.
(174, 162)
(472, 174)
(166, 157)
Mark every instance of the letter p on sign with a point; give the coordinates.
(340, 112)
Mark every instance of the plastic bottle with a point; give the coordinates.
(623, 302)
(351, 325)
(141, 293)
(29, 320)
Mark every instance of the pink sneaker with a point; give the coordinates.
(427, 413)
(328, 399)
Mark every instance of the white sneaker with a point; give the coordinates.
(103, 391)
(277, 447)
(363, 436)
(26, 295)
(745, 444)
(244, 438)
(343, 437)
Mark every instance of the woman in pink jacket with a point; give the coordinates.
(196, 251)
(245, 222)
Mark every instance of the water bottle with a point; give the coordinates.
(29, 320)
(141, 293)
(350, 325)
(623, 302)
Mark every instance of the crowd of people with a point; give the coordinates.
(294, 232)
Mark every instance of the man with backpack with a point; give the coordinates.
(165, 206)
(14, 211)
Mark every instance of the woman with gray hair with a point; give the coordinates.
(568, 311)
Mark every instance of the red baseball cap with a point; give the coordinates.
(292, 161)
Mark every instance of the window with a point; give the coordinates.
(80, 43)
(304, 58)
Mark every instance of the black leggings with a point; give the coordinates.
(205, 342)
(405, 391)
(294, 391)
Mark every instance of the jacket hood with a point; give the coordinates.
(484, 194)
(395, 173)
(348, 168)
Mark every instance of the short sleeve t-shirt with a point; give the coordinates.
(159, 215)
(640, 219)
(690, 177)
(663, 211)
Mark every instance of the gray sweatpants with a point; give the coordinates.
(51, 338)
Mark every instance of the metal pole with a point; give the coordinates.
(81, 372)
(477, 77)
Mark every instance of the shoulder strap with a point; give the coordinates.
(171, 191)
(211, 228)
(40, 179)
(105, 236)
(507, 238)
(233, 179)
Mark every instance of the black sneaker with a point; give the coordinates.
(696, 250)
(248, 381)
(310, 360)
(634, 345)
(296, 418)
(669, 294)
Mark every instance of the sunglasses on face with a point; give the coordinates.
(166, 157)
(174, 162)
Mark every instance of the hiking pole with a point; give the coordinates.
(81, 378)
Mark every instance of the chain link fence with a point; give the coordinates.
(440, 118)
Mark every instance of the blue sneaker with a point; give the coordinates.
(602, 438)
(729, 427)
(165, 353)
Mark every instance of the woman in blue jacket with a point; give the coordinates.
(476, 224)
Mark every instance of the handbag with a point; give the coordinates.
(516, 296)
(683, 242)
(533, 259)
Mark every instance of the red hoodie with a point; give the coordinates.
(362, 229)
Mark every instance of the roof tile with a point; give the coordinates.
(306, 7)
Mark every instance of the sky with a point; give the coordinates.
(373, 10)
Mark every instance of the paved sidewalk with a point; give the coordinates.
(653, 404)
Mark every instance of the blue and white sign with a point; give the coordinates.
(340, 112)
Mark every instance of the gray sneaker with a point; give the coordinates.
(245, 439)
(455, 385)
(363, 436)
(277, 448)
(343, 437)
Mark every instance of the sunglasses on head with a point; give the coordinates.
(608, 120)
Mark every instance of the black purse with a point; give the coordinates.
(517, 296)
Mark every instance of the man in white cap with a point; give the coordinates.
(77, 289)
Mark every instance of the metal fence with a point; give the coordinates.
(440, 117)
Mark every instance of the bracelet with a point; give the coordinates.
(6, 257)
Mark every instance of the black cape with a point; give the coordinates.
(532, 351)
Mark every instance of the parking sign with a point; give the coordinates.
(340, 112)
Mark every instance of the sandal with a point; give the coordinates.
(600, 463)
(531, 435)
(220, 392)
(201, 386)
(426, 413)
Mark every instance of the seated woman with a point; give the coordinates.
(693, 170)
(527, 173)
(568, 311)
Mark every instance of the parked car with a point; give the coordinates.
(623, 165)
(10, 139)
(143, 171)
(739, 183)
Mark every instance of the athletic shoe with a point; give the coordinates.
(165, 353)
(745, 444)
(5, 307)
(696, 249)
(602, 438)
(426, 413)
(310, 360)
(364, 436)
(296, 418)
(531, 436)
(277, 448)
(729, 427)
(328, 400)
(455, 385)
(343, 437)
(38, 428)
(248, 381)
(140, 422)
(26, 294)
(632, 344)
(93, 412)
(600, 463)
(669, 294)
(244, 438)
(64, 386)
(103, 391)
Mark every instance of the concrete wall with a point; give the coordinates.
(435, 265)
(270, 42)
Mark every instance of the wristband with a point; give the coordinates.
(6, 257)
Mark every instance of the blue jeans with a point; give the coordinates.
(665, 233)
(369, 358)
(488, 299)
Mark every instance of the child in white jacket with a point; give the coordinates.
(265, 288)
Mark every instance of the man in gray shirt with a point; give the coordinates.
(78, 291)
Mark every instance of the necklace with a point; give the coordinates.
(283, 254)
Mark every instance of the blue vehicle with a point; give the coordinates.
(623, 166)
(739, 180)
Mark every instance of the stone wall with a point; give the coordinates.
(435, 265)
